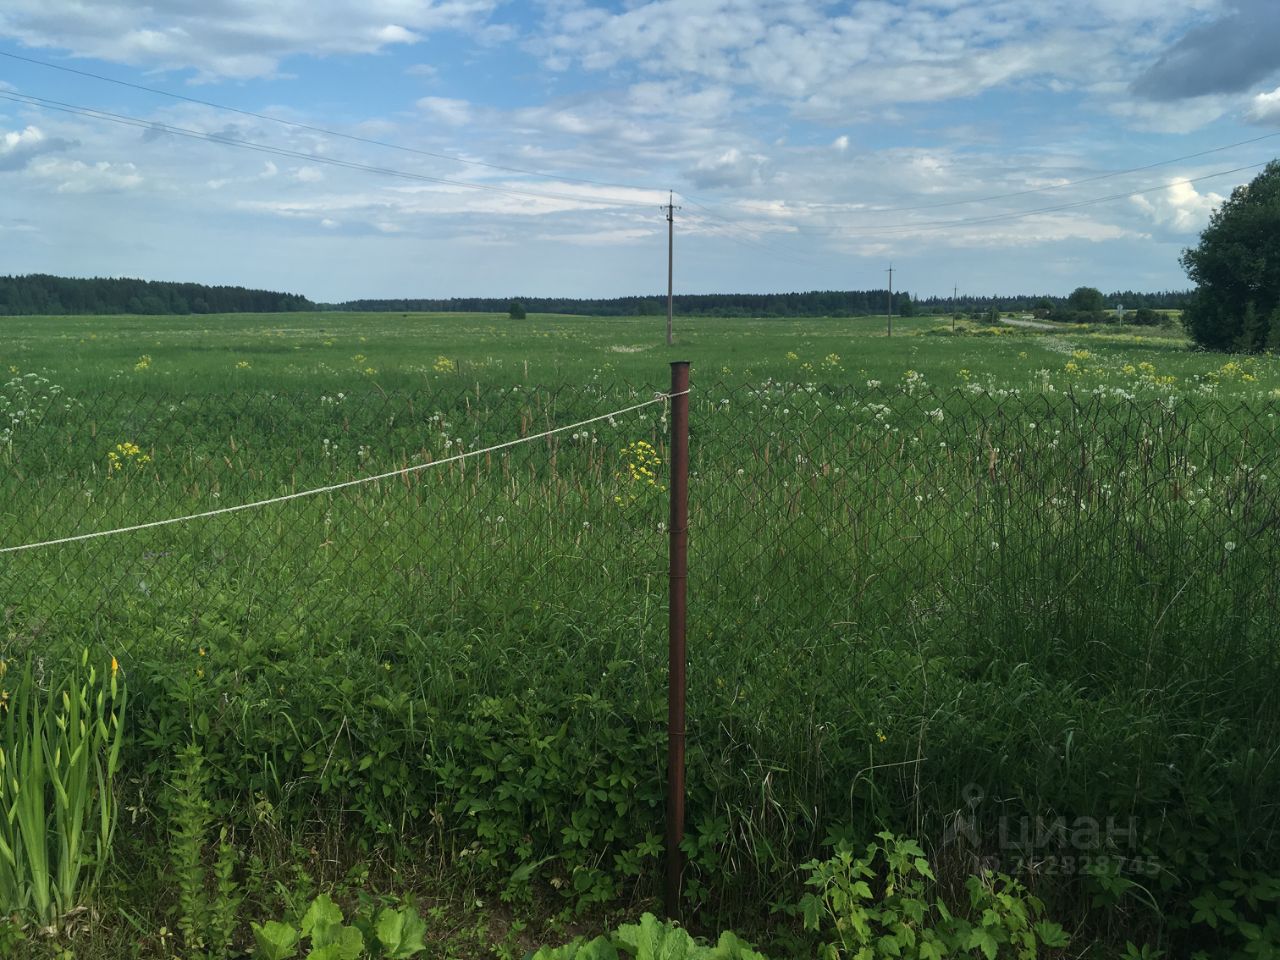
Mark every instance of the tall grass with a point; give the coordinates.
(904, 606)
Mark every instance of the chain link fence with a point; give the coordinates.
(899, 599)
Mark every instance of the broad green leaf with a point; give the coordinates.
(321, 918)
(275, 940)
(651, 939)
(1051, 934)
(729, 947)
(344, 943)
(598, 949)
(401, 932)
(981, 938)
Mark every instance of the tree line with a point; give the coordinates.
(813, 303)
(1129, 299)
(42, 294)
(45, 294)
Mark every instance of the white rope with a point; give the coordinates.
(403, 471)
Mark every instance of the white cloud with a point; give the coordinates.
(1265, 107)
(1179, 207)
(829, 64)
(76, 176)
(1181, 116)
(308, 174)
(624, 236)
(269, 171)
(19, 147)
(841, 143)
(16, 140)
(456, 113)
(230, 38)
(729, 168)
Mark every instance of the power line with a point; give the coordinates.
(748, 239)
(372, 141)
(1001, 217)
(885, 229)
(542, 174)
(227, 140)
(1061, 186)
(926, 225)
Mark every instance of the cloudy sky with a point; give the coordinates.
(526, 147)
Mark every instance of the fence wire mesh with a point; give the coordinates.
(875, 573)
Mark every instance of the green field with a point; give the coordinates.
(329, 351)
(993, 580)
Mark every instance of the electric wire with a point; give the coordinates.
(285, 152)
(299, 125)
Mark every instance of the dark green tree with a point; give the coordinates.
(1236, 268)
(1086, 300)
(1273, 331)
(516, 310)
(1253, 330)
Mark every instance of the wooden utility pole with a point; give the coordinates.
(671, 209)
(889, 318)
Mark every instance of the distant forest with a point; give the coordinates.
(815, 303)
(45, 295)
(1130, 300)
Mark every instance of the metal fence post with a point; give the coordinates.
(677, 654)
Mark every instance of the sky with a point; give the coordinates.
(438, 148)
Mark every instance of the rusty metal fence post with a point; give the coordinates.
(677, 654)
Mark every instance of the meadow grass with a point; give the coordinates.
(334, 351)
(1004, 576)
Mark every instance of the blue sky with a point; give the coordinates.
(809, 144)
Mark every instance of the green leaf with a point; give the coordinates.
(344, 943)
(729, 947)
(598, 949)
(321, 918)
(1051, 934)
(275, 940)
(651, 939)
(981, 938)
(400, 932)
(889, 947)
